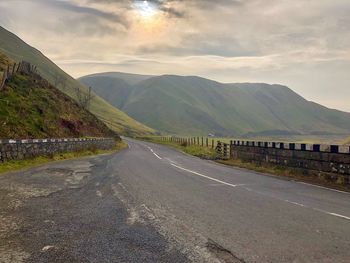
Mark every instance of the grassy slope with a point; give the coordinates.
(192, 105)
(18, 50)
(29, 108)
(346, 141)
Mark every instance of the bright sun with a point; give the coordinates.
(146, 9)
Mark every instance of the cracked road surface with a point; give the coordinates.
(150, 203)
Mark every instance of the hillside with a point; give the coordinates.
(193, 105)
(117, 120)
(347, 141)
(32, 108)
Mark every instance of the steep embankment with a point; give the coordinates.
(117, 120)
(193, 105)
(32, 108)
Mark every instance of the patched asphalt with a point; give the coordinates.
(68, 212)
(151, 203)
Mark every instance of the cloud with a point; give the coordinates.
(288, 41)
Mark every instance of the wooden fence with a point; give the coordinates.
(21, 67)
(224, 148)
(330, 163)
(221, 148)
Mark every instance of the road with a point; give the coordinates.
(150, 203)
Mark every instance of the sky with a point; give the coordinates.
(304, 44)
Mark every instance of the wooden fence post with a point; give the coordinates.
(218, 148)
(2, 83)
(225, 150)
(14, 69)
(212, 143)
(202, 141)
(8, 70)
(207, 142)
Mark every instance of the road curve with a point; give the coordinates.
(257, 218)
(150, 203)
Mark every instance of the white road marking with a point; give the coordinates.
(345, 217)
(154, 153)
(294, 203)
(322, 187)
(298, 204)
(46, 248)
(248, 189)
(204, 176)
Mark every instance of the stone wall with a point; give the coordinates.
(26, 149)
(329, 161)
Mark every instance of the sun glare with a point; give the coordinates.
(146, 9)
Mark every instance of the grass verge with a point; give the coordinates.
(291, 173)
(29, 163)
(283, 172)
(195, 150)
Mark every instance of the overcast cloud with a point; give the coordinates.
(303, 44)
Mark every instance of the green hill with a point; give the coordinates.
(117, 120)
(193, 105)
(347, 141)
(32, 108)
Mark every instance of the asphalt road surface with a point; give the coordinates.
(150, 203)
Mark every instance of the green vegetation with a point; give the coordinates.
(293, 174)
(23, 164)
(346, 141)
(197, 106)
(117, 120)
(31, 108)
(195, 150)
(209, 153)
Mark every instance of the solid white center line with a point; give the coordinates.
(154, 153)
(235, 185)
(345, 217)
(204, 176)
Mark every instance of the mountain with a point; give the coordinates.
(131, 79)
(347, 141)
(117, 120)
(32, 108)
(194, 105)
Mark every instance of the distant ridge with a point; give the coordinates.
(130, 78)
(194, 105)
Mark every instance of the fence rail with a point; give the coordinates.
(21, 67)
(220, 145)
(330, 162)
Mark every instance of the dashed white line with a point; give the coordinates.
(248, 189)
(204, 176)
(294, 203)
